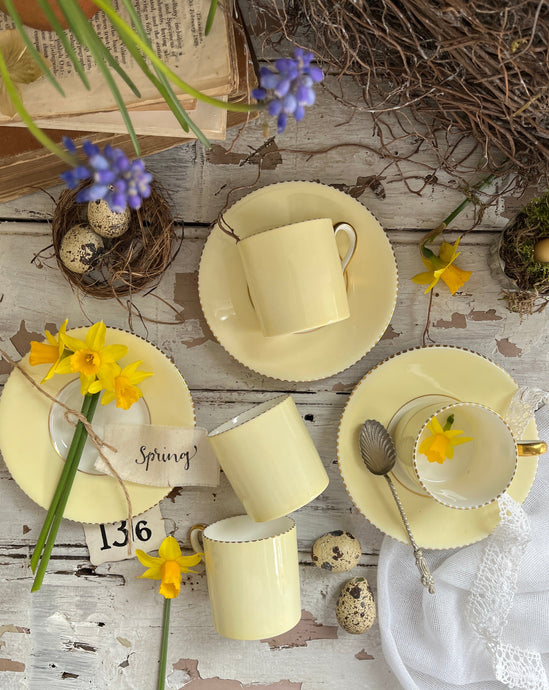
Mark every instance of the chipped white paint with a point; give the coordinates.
(100, 627)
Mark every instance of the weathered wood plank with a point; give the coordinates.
(199, 180)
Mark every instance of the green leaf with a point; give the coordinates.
(39, 59)
(211, 16)
(62, 36)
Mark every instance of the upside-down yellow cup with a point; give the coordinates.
(295, 275)
(253, 576)
(270, 459)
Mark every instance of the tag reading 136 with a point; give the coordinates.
(109, 542)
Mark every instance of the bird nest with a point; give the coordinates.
(131, 262)
(529, 277)
(480, 66)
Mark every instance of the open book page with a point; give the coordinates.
(176, 30)
(212, 122)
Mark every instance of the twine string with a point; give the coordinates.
(73, 417)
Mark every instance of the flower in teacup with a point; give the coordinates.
(121, 385)
(168, 566)
(442, 267)
(51, 352)
(439, 446)
(91, 358)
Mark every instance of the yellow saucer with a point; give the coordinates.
(372, 285)
(35, 465)
(444, 370)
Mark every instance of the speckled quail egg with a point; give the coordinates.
(80, 248)
(355, 608)
(338, 551)
(105, 222)
(541, 251)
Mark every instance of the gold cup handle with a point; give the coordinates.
(194, 535)
(529, 448)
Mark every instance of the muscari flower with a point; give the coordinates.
(440, 445)
(120, 384)
(114, 178)
(49, 353)
(288, 88)
(91, 358)
(442, 267)
(168, 566)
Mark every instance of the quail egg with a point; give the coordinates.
(355, 608)
(338, 551)
(80, 248)
(105, 222)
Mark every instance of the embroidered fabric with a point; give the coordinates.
(495, 584)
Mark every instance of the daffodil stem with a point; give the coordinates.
(164, 647)
(76, 441)
(478, 187)
(46, 540)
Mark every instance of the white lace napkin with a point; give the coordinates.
(487, 626)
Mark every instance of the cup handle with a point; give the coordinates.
(530, 448)
(194, 535)
(351, 234)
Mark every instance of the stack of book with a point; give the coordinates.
(219, 65)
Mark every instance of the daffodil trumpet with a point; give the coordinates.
(99, 372)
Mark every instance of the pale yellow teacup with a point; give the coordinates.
(253, 576)
(435, 458)
(270, 459)
(295, 275)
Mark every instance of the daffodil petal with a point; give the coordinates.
(185, 562)
(108, 397)
(95, 337)
(435, 425)
(73, 344)
(169, 549)
(112, 353)
(449, 253)
(459, 441)
(154, 573)
(423, 278)
(146, 560)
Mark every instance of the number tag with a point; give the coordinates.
(110, 542)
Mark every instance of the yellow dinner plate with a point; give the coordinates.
(35, 465)
(371, 285)
(436, 370)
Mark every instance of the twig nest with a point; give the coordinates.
(105, 222)
(81, 248)
(338, 551)
(356, 608)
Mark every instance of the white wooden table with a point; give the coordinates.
(98, 627)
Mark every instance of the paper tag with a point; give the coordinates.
(160, 455)
(110, 542)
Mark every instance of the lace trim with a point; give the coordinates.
(495, 583)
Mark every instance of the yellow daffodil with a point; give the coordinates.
(91, 358)
(440, 445)
(168, 566)
(50, 352)
(442, 267)
(121, 384)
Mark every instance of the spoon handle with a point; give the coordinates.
(426, 577)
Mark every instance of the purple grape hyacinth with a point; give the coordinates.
(288, 89)
(116, 179)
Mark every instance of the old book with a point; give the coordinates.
(176, 30)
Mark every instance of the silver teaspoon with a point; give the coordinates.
(379, 454)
